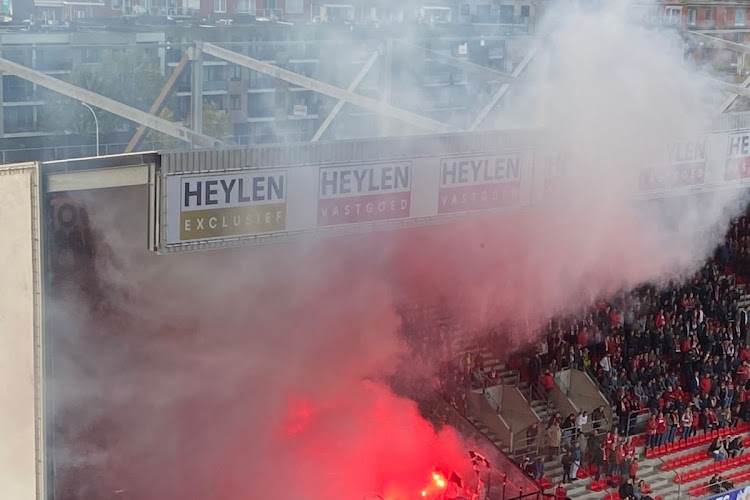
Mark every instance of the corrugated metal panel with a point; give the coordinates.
(732, 121)
(347, 151)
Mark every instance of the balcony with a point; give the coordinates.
(215, 86)
(19, 94)
(54, 65)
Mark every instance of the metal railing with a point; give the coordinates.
(526, 446)
(449, 415)
(534, 392)
(633, 426)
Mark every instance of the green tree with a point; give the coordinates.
(130, 77)
(216, 124)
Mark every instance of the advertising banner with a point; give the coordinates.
(479, 182)
(739, 494)
(685, 166)
(216, 206)
(364, 193)
(738, 157)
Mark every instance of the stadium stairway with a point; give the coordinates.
(543, 408)
(484, 430)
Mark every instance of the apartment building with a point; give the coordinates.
(22, 112)
(727, 20)
(517, 13)
(411, 74)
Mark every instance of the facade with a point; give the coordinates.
(519, 13)
(720, 19)
(262, 109)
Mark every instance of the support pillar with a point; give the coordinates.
(196, 91)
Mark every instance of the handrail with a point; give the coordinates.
(535, 387)
(634, 420)
(467, 423)
(679, 484)
(534, 451)
(598, 385)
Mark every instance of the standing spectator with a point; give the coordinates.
(652, 432)
(598, 418)
(567, 463)
(538, 469)
(634, 468)
(554, 436)
(577, 455)
(531, 434)
(581, 420)
(661, 428)
(547, 381)
(568, 427)
(687, 423)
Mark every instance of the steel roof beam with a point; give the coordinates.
(159, 102)
(352, 87)
(715, 42)
(107, 104)
(326, 89)
(503, 89)
(491, 74)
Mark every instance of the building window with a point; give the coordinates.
(739, 37)
(525, 11)
(692, 17)
(116, 4)
(235, 72)
(90, 55)
(739, 17)
(245, 7)
(709, 14)
(269, 4)
(18, 119)
(295, 7)
(220, 6)
(235, 102)
(79, 14)
(672, 15)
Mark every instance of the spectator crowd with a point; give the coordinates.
(673, 361)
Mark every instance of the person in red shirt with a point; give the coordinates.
(685, 345)
(547, 381)
(583, 337)
(705, 384)
(630, 447)
(743, 373)
(660, 320)
(634, 468)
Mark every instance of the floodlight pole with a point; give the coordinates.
(96, 122)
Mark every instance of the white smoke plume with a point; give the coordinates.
(239, 374)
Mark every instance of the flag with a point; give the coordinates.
(478, 459)
(455, 478)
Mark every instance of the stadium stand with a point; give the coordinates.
(673, 362)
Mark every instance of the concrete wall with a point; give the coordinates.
(559, 395)
(583, 392)
(18, 333)
(517, 412)
(484, 409)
